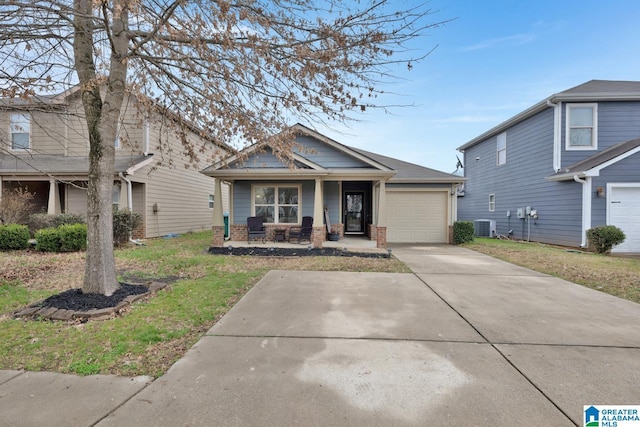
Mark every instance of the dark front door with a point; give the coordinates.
(354, 212)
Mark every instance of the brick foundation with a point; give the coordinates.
(319, 234)
(373, 235)
(381, 237)
(218, 236)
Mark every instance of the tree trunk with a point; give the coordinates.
(102, 121)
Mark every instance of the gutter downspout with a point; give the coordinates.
(557, 118)
(129, 205)
(586, 207)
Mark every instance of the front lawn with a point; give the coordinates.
(611, 274)
(152, 335)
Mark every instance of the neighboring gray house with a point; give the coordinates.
(364, 194)
(568, 163)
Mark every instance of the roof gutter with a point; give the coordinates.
(557, 119)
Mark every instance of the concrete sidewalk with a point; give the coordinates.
(465, 340)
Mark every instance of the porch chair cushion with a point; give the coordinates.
(255, 229)
(304, 232)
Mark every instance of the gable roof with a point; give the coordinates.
(373, 166)
(593, 90)
(591, 166)
(410, 172)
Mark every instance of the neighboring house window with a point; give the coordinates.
(501, 151)
(277, 204)
(492, 202)
(582, 129)
(211, 199)
(20, 127)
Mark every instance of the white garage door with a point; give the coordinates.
(417, 216)
(624, 212)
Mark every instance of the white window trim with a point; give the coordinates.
(27, 115)
(502, 136)
(212, 201)
(492, 202)
(277, 185)
(594, 140)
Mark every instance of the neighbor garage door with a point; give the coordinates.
(417, 216)
(624, 212)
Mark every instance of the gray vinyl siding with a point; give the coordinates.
(617, 122)
(520, 183)
(265, 159)
(332, 200)
(327, 156)
(242, 198)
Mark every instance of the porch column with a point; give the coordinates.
(54, 198)
(123, 197)
(318, 215)
(381, 226)
(218, 218)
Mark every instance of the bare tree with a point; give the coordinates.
(239, 70)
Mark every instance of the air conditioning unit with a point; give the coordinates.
(484, 227)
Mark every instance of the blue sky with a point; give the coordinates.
(494, 60)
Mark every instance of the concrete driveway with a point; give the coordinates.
(464, 340)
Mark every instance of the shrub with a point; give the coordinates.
(73, 237)
(604, 237)
(42, 220)
(463, 232)
(14, 237)
(15, 206)
(48, 240)
(124, 222)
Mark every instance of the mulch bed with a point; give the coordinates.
(293, 252)
(74, 305)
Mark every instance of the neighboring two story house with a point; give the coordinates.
(569, 163)
(44, 148)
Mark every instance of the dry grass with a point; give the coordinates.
(614, 275)
(153, 334)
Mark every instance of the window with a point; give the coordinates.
(492, 202)
(211, 199)
(582, 127)
(501, 150)
(20, 127)
(277, 204)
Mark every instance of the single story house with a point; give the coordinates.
(351, 191)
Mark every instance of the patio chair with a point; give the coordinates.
(255, 229)
(304, 232)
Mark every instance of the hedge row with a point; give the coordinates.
(63, 233)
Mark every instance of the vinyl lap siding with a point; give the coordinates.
(327, 156)
(624, 171)
(617, 122)
(520, 183)
(242, 198)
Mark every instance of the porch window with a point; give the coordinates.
(211, 201)
(20, 128)
(277, 204)
(582, 127)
